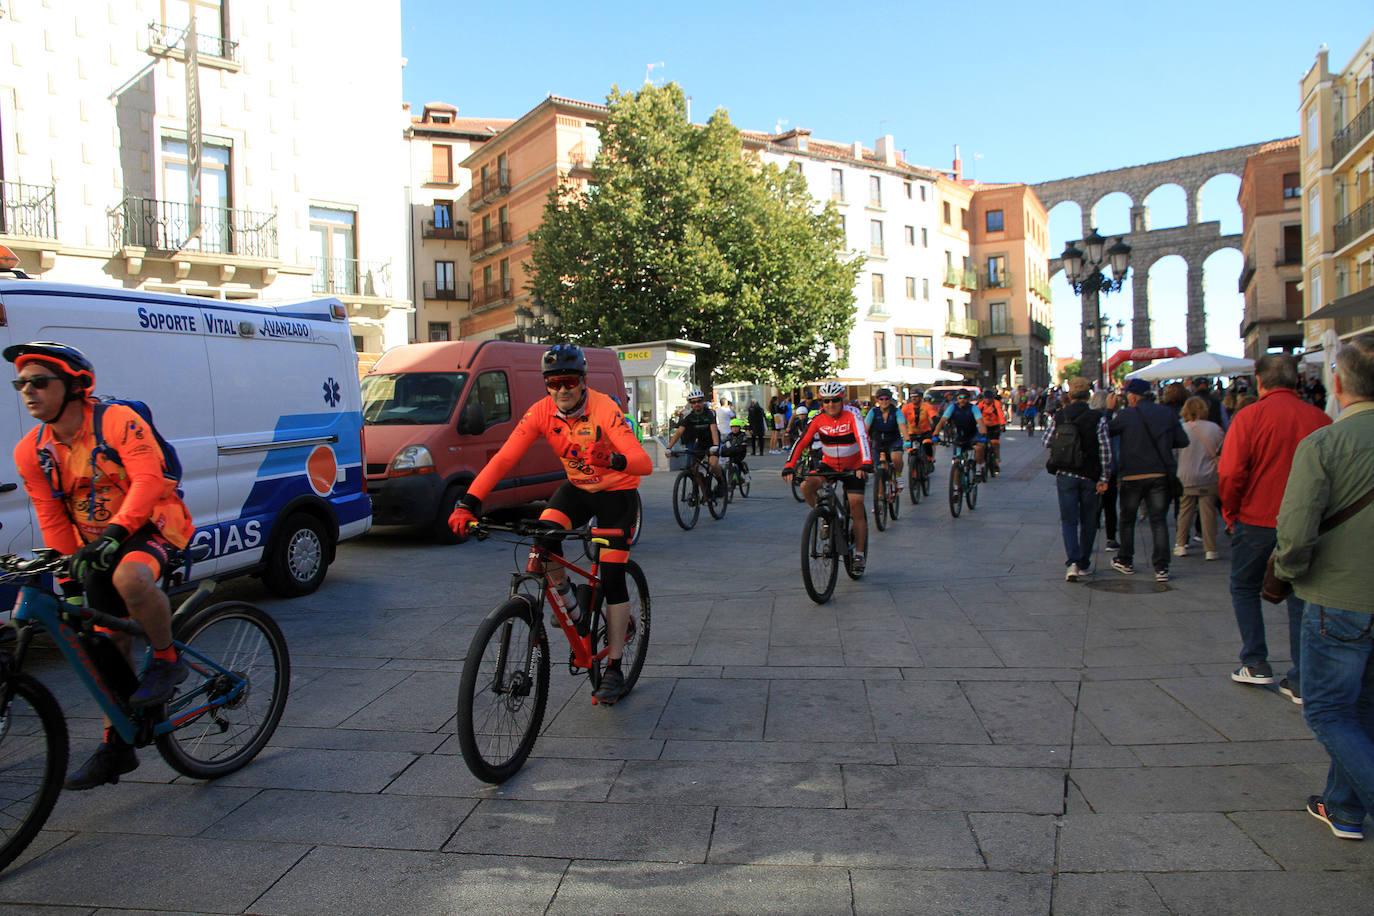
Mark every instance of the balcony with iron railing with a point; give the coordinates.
(953, 276)
(961, 327)
(352, 277)
(1356, 224)
(490, 294)
(1042, 331)
(1288, 255)
(163, 37)
(455, 291)
(969, 280)
(580, 158)
(166, 225)
(1247, 273)
(1353, 134)
(491, 237)
(453, 230)
(997, 279)
(27, 210)
(494, 185)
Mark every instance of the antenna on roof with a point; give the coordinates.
(650, 68)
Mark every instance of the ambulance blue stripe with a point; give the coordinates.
(84, 292)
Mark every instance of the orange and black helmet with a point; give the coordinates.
(64, 358)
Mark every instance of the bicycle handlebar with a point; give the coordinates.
(44, 560)
(535, 528)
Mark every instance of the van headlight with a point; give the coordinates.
(413, 459)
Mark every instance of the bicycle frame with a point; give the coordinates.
(41, 608)
(580, 644)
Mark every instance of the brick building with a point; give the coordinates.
(1271, 242)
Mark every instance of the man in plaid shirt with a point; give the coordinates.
(1081, 475)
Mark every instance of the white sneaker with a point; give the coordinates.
(1212, 555)
(1071, 574)
(1180, 551)
(1085, 571)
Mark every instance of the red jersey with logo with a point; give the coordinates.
(572, 437)
(844, 440)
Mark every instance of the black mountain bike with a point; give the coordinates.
(886, 500)
(963, 480)
(827, 538)
(695, 485)
(919, 469)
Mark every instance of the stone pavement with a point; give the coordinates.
(961, 732)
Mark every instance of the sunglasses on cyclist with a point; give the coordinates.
(697, 402)
(564, 382)
(832, 400)
(37, 381)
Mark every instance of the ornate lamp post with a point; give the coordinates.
(1083, 270)
(537, 323)
(1103, 334)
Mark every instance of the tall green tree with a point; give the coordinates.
(680, 234)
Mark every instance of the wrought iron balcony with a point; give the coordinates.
(1350, 136)
(1288, 255)
(580, 158)
(482, 239)
(490, 294)
(997, 279)
(495, 184)
(27, 210)
(352, 277)
(165, 225)
(1356, 224)
(456, 291)
(961, 327)
(1042, 331)
(454, 230)
(171, 38)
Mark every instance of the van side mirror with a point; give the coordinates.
(472, 422)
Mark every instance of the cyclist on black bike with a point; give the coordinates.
(994, 418)
(604, 462)
(844, 448)
(966, 420)
(699, 434)
(736, 446)
(887, 425)
(113, 508)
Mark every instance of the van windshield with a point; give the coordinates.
(415, 398)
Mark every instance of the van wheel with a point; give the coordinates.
(442, 533)
(300, 557)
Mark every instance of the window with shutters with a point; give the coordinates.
(441, 170)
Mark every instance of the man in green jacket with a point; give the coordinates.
(1333, 472)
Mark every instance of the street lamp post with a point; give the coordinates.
(1083, 270)
(537, 323)
(1103, 334)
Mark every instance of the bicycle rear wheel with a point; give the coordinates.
(894, 498)
(744, 482)
(503, 691)
(236, 694)
(717, 502)
(916, 466)
(686, 501)
(926, 473)
(33, 763)
(820, 558)
(956, 492)
(637, 645)
(880, 497)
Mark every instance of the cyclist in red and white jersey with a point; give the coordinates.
(844, 447)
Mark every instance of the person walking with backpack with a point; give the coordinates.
(1147, 435)
(104, 491)
(1080, 460)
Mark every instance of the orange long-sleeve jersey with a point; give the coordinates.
(95, 495)
(572, 438)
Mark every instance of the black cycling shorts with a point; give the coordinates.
(573, 507)
(851, 482)
(995, 432)
(151, 549)
(888, 444)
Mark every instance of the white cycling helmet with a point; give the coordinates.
(831, 390)
(696, 393)
(802, 411)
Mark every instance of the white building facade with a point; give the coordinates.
(891, 217)
(303, 164)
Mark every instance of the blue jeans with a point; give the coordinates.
(1077, 517)
(1338, 703)
(1153, 492)
(1250, 549)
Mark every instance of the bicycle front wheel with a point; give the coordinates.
(686, 503)
(236, 694)
(956, 491)
(820, 558)
(717, 496)
(894, 498)
(637, 641)
(504, 688)
(33, 763)
(880, 498)
(971, 494)
(914, 470)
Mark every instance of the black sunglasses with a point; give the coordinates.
(831, 400)
(37, 381)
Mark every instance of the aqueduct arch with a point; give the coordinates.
(1194, 241)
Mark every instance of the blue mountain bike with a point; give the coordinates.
(220, 719)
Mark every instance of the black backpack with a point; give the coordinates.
(1067, 449)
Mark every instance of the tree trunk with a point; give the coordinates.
(706, 365)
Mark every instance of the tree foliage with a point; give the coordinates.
(680, 234)
(1070, 370)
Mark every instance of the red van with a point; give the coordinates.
(435, 413)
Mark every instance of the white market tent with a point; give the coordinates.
(1195, 364)
(906, 375)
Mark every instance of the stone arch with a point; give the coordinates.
(1167, 206)
(1216, 201)
(1110, 214)
(1065, 225)
(1224, 305)
(1165, 298)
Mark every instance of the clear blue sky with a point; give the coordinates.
(1010, 82)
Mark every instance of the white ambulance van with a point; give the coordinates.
(261, 402)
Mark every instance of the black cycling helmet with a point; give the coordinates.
(69, 360)
(989, 394)
(565, 358)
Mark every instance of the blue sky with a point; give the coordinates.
(1027, 97)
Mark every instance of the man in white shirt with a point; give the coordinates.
(723, 417)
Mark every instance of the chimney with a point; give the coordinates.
(858, 150)
(958, 170)
(887, 150)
